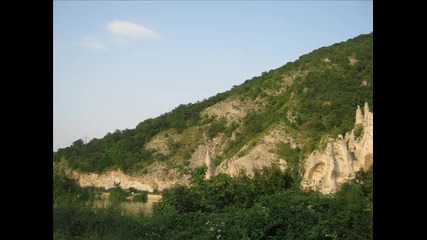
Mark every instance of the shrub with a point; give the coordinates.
(117, 194)
(216, 127)
(358, 131)
(218, 160)
(141, 197)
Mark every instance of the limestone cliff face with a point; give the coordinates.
(158, 178)
(342, 157)
(260, 156)
(362, 147)
(109, 179)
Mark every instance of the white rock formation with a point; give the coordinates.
(362, 147)
(210, 172)
(258, 158)
(327, 169)
(109, 179)
(159, 177)
(359, 116)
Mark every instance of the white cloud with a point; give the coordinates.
(129, 30)
(93, 43)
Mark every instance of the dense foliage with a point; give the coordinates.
(269, 206)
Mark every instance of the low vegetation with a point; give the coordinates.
(269, 206)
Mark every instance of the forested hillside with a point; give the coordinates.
(311, 97)
(230, 166)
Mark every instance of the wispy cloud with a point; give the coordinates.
(131, 31)
(93, 43)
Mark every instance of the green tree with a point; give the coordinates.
(180, 198)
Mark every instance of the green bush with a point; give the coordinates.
(180, 198)
(291, 155)
(141, 197)
(218, 160)
(117, 195)
(358, 131)
(216, 127)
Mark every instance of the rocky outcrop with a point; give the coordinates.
(260, 156)
(159, 177)
(109, 179)
(160, 143)
(327, 169)
(361, 140)
(231, 109)
(210, 172)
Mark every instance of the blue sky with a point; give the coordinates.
(119, 63)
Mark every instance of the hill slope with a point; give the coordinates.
(278, 118)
